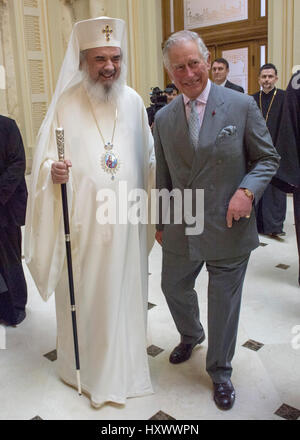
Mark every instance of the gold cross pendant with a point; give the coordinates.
(107, 32)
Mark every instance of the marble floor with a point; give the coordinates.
(266, 366)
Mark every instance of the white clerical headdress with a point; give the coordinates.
(87, 34)
(99, 32)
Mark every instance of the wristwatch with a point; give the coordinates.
(248, 193)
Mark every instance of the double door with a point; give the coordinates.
(245, 59)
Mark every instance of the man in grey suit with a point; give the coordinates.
(214, 139)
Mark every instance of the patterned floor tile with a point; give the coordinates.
(52, 355)
(160, 415)
(253, 345)
(153, 350)
(282, 266)
(288, 412)
(150, 306)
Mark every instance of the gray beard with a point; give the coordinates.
(99, 93)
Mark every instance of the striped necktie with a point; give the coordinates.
(194, 124)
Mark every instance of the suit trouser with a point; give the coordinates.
(226, 278)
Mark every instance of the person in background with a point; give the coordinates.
(171, 92)
(220, 71)
(271, 209)
(287, 178)
(13, 200)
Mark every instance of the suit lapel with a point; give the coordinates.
(183, 151)
(212, 123)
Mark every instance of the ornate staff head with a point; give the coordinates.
(60, 141)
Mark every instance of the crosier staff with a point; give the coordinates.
(61, 156)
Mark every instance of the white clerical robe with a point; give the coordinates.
(109, 261)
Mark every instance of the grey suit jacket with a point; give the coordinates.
(234, 150)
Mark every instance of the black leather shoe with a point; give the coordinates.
(224, 395)
(183, 352)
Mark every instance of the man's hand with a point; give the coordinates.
(60, 171)
(239, 206)
(158, 237)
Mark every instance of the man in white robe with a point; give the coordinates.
(95, 108)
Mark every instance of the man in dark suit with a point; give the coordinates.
(220, 71)
(214, 139)
(13, 199)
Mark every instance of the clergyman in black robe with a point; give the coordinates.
(271, 209)
(288, 146)
(13, 199)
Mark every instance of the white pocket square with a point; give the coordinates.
(230, 130)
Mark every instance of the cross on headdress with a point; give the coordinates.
(100, 32)
(107, 31)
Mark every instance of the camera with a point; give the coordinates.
(169, 90)
(158, 100)
(157, 96)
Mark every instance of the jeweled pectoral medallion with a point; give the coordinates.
(110, 161)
